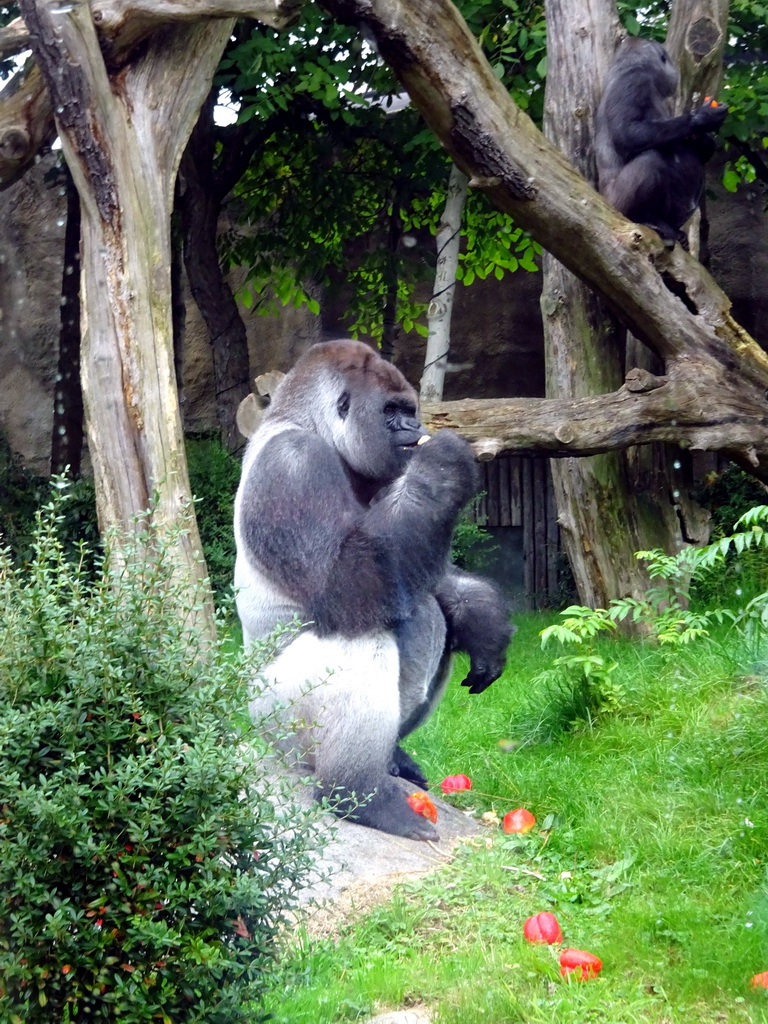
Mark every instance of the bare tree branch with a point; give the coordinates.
(14, 39)
(643, 410)
(26, 115)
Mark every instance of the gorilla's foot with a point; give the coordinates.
(405, 767)
(386, 810)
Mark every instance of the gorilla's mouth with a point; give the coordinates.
(422, 439)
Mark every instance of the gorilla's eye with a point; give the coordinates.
(342, 406)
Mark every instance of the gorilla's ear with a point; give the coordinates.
(342, 406)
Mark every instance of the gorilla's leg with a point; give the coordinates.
(641, 192)
(424, 672)
(424, 664)
(343, 694)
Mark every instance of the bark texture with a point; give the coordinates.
(123, 147)
(67, 434)
(200, 205)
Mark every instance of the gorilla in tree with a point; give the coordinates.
(344, 517)
(650, 164)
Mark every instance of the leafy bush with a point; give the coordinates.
(471, 545)
(664, 611)
(145, 870)
(21, 493)
(578, 687)
(728, 496)
(214, 474)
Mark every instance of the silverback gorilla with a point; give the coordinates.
(650, 164)
(344, 519)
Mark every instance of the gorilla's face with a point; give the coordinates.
(376, 431)
(357, 402)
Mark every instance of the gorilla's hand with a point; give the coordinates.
(708, 118)
(482, 673)
(447, 464)
(476, 612)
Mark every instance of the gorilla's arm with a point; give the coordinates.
(478, 623)
(418, 513)
(352, 569)
(636, 122)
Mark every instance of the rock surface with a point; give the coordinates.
(360, 866)
(414, 1015)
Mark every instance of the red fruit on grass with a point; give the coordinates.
(421, 804)
(579, 964)
(453, 783)
(519, 820)
(760, 980)
(543, 928)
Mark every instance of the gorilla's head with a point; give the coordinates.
(356, 401)
(649, 58)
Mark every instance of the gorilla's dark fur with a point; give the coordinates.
(650, 164)
(342, 519)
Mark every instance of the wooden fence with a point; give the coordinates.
(519, 493)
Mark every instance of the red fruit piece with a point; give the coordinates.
(519, 820)
(760, 980)
(453, 783)
(579, 964)
(543, 927)
(421, 804)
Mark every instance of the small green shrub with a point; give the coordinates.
(471, 545)
(214, 474)
(145, 871)
(728, 496)
(21, 493)
(578, 688)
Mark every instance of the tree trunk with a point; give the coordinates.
(200, 206)
(441, 304)
(123, 147)
(612, 505)
(67, 435)
(389, 330)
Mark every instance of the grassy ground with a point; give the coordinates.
(651, 847)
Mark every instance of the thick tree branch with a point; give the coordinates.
(14, 39)
(643, 410)
(26, 114)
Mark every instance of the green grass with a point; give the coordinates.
(654, 859)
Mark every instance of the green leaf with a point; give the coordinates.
(731, 181)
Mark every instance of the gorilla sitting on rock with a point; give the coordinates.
(344, 517)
